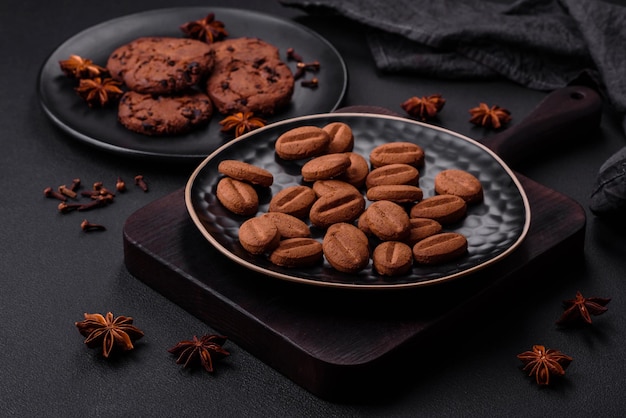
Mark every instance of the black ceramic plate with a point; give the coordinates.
(494, 228)
(100, 127)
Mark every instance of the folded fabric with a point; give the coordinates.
(541, 44)
(609, 195)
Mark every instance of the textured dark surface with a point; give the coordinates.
(52, 272)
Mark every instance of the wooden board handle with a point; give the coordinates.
(564, 116)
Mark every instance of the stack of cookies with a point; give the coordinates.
(161, 75)
(175, 84)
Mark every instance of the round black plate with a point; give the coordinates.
(99, 127)
(494, 228)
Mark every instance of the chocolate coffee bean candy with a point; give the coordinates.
(302, 142)
(259, 235)
(357, 172)
(422, 228)
(322, 187)
(388, 221)
(459, 183)
(392, 258)
(393, 174)
(362, 223)
(397, 153)
(297, 252)
(288, 226)
(398, 193)
(325, 167)
(445, 208)
(440, 248)
(341, 137)
(335, 207)
(237, 196)
(293, 200)
(346, 248)
(243, 171)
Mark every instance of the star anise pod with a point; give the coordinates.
(494, 116)
(241, 122)
(425, 107)
(200, 351)
(207, 30)
(109, 332)
(99, 91)
(582, 308)
(544, 363)
(78, 67)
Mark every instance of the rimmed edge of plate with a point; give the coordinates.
(158, 156)
(391, 286)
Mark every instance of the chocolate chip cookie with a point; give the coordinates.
(249, 76)
(163, 115)
(161, 65)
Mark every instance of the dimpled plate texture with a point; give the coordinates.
(494, 228)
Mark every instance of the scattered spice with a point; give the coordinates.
(139, 181)
(207, 30)
(302, 68)
(120, 186)
(425, 107)
(581, 308)
(51, 193)
(494, 116)
(64, 207)
(200, 351)
(96, 203)
(292, 55)
(543, 363)
(67, 191)
(110, 332)
(242, 122)
(78, 67)
(99, 91)
(309, 66)
(312, 83)
(75, 184)
(87, 226)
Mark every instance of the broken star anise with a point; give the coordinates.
(544, 363)
(494, 116)
(207, 30)
(200, 351)
(78, 67)
(582, 308)
(241, 122)
(425, 107)
(99, 91)
(109, 332)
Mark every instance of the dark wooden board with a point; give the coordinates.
(331, 342)
(341, 343)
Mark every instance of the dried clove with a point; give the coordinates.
(312, 83)
(49, 192)
(87, 226)
(293, 55)
(120, 186)
(139, 181)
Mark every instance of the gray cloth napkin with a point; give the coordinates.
(541, 44)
